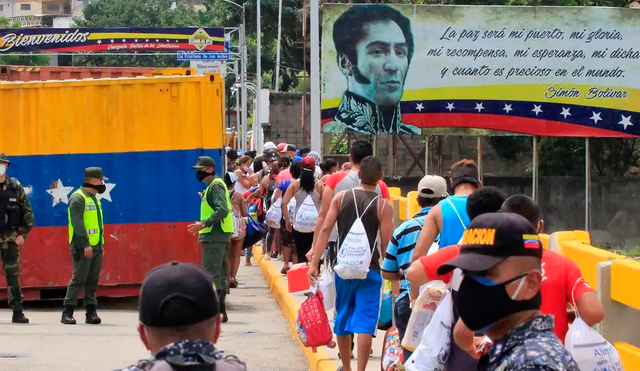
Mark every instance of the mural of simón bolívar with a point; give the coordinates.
(374, 46)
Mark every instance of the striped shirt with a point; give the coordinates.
(400, 249)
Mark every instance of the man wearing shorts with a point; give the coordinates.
(358, 300)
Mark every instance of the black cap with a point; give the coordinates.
(177, 294)
(204, 161)
(94, 172)
(271, 154)
(491, 238)
(291, 147)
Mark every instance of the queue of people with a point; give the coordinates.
(509, 295)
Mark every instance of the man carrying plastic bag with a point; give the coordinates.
(365, 226)
(499, 295)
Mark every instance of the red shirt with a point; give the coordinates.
(333, 180)
(283, 175)
(559, 277)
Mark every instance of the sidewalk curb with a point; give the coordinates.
(318, 361)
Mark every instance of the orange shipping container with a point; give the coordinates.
(29, 73)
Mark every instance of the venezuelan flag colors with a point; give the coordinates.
(145, 133)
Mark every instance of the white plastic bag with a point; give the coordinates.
(590, 350)
(328, 289)
(433, 352)
(274, 214)
(306, 216)
(354, 254)
(422, 312)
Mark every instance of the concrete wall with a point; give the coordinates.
(615, 204)
(286, 119)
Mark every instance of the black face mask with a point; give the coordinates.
(480, 302)
(201, 175)
(99, 188)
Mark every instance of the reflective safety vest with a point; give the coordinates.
(206, 210)
(92, 222)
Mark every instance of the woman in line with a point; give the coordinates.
(246, 178)
(276, 246)
(329, 167)
(239, 210)
(307, 192)
(289, 248)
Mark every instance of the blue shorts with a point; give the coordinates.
(358, 305)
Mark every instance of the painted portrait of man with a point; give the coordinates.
(374, 45)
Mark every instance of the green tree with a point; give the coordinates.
(19, 60)
(148, 13)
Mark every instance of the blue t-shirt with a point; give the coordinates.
(283, 186)
(400, 249)
(454, 220)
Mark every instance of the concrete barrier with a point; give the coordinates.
(318, 361)
(620, 295)
(395, 191)
(587, 258)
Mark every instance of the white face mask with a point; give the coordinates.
(3, 169)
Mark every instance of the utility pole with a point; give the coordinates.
(257, 124)
(316, 130)
(243, 80)
(237, 69)
(277, 74)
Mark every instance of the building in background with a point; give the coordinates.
(42, 13)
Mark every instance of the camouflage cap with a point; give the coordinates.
(204, 161)
(3, 158)
(94, 172)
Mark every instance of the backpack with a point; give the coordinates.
(312, 323)
(254, 209)
(306, 216)
(271, 188)
(355, 254)
(274, 214)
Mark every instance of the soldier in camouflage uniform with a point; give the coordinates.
(16, 220)
(180, 321)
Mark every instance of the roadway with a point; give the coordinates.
(257, 333)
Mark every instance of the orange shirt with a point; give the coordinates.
(559, 277)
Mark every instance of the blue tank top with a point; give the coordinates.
(452, 227)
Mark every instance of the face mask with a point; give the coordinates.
(246, 169)
(3, 169)
(99, 188)
(480, 302)
(201, 175)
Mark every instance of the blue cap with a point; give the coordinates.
(297, 159)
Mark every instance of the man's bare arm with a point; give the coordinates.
(386, 226)
(327, 197)
(327, 226)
